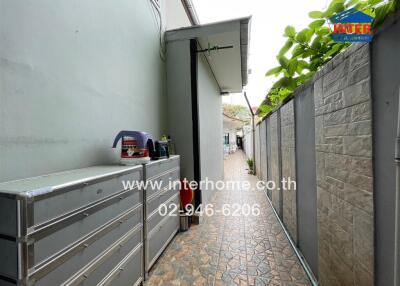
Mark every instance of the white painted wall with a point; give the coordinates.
(72, 74)
(210, 123)
(176, 15)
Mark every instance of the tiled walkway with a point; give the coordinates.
(226, 250)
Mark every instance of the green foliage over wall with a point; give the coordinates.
(307, 50)
(237, 111)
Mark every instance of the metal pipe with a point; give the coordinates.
(253, 130)
(397, 213)
(191, 12)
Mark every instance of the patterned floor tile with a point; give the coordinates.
(231, 250)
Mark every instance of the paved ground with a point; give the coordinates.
(226, 250)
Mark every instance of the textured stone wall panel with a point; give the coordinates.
(344, 171)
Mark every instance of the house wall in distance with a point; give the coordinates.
(210, 126)
(248, 141)
(72, 75)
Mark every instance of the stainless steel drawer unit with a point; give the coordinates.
(79, 227)
(160, 190)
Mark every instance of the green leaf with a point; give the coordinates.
(323, 31)
(316, 43)
(335, 7)
(316, 24)
(297, 50)
(292, 66)
(315, 64)
(265, 108)
(302, 64)
(304, 36)
(283, 61)
(274, 71)
(286, 82)
(382, 11)
(351, 3)
(374, 2)
(316, 14)
(290, 32)
(334, 50)
(307, 53)
(286, 47)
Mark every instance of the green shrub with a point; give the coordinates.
(307, 50)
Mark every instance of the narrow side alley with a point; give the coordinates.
(226, 250)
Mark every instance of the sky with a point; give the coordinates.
(269, 19)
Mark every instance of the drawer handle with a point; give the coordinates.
(85, 214)
(85, 276)
(121, 221)
(121, 198)
(86, 245)
(121, 269)
(86, 184)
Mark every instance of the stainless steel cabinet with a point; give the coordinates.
(82, 227)
(73, 228)
(160, 226)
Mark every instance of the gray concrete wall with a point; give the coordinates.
(385, 96)
(306, 191)
(275, 163)
(257, 150)
(289, 214)
(210, 123)
(72, 75)
(180, 103)
(263, 151)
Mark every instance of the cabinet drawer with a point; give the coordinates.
(155, 218)
(51, 207)
(75, 258)
(153, 203)
(155, 168)
(128, 272)
(107, 261)
(159, 238)
(85, 223)
(165, 180)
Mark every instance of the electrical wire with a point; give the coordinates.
(157, 14)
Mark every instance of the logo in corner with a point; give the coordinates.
(351, 26)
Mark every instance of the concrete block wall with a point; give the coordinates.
(289, 214)
(344, 171)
